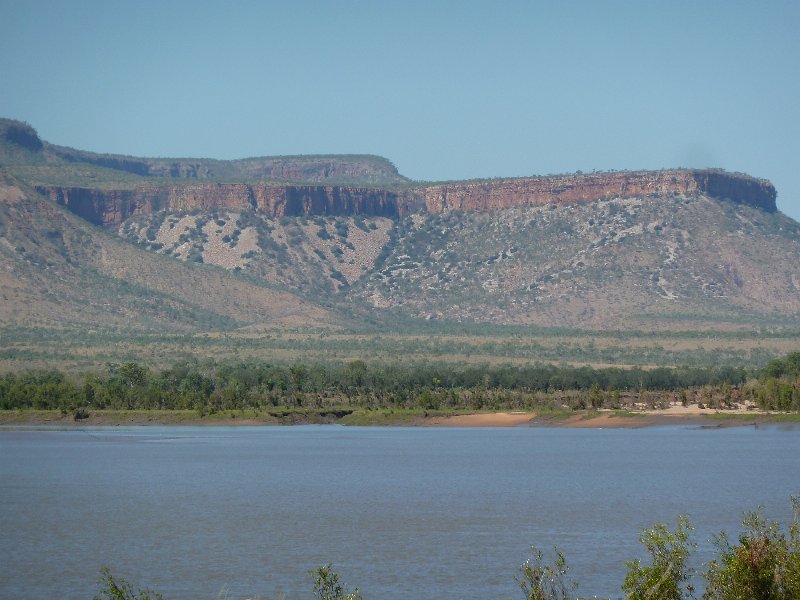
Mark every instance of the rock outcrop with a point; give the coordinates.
(111, 207)
(568, 189)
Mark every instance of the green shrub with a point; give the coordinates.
(342, 229)
(543, 581)
(667, 576)
(119, 589)
(327, 586)
(765, 564)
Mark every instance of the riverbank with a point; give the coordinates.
(675, 415)
(610, 419)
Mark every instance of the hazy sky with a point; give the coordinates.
(446, 90)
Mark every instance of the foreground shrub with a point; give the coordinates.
(543, 581)
(765, 564)
(327, 586)
(119, 589)
(667, 576)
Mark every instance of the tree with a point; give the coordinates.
(132, 374)
(119, 589)
(356, 373)
(327, 586)
(667, 577)
(542, 581)
(595, 396)
(765, 564)
(299, 374)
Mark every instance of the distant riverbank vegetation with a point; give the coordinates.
(210, 388)
(762, 564)
(403, 341)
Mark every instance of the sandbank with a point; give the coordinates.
(499, 419)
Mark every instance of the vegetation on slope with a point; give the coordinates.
(59, 270)
(612, 264)
(319, 255)
(620, 263)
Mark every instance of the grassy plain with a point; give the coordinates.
(76, 349)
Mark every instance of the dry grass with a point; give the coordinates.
(84, 350)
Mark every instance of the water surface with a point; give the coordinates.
(418, 513)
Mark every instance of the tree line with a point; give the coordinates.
(211, 386)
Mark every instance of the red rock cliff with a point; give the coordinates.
(567, 189)
(111, 207)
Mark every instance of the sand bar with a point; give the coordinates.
(499, 419)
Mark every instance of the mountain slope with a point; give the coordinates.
(674, 249)
(57, 270)
(655, 262)
(620, 263)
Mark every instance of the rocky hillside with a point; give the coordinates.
(622, 250)
(57, 270)
(641, 262)
(109, 207)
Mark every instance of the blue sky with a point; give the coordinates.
(446, 90)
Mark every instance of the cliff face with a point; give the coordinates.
(570, 189)
(111, 207)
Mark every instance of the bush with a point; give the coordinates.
(764, 564)
(542, 581)
(119, 589)
(327, 586)
(666, 578)
(342, 229)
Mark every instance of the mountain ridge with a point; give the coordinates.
(340, 185)
(20, 144)
(619, 250)
(109, 207)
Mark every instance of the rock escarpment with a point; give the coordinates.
(570, 189)
(111, 207)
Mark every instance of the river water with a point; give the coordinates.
(421, 513)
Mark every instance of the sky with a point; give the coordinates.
(444, 89)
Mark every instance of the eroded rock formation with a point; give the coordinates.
(567, 189)
(111, 207)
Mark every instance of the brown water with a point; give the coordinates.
(402, 512)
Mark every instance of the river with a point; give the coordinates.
(402, 512)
